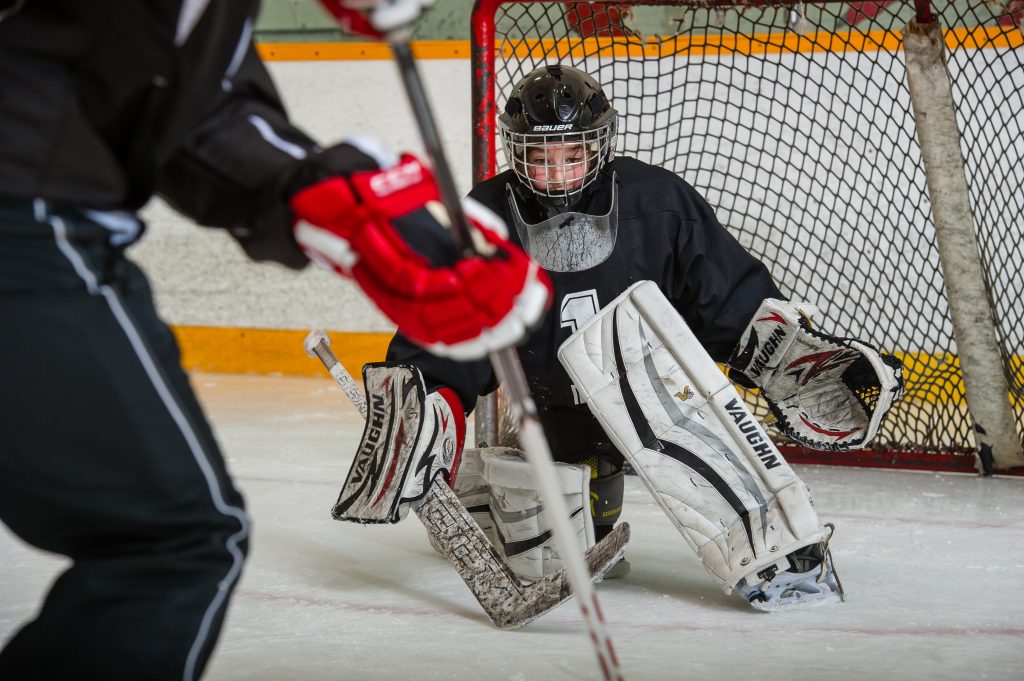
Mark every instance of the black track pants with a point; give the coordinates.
(106, 457)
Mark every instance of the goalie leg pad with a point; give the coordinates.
(523, 533)
(473, 491)
(676, 418)
(410, 438)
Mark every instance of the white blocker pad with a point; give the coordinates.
(408, 440)
(678, 420)
(521, 532)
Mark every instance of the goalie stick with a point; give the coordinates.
(510, 373)
(508, 603)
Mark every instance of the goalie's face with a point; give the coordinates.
(556, 169)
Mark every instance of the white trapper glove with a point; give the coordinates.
(826, 392)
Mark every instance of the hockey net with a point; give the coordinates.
(795, 122)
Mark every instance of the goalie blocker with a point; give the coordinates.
(708, 463)
(410, 438)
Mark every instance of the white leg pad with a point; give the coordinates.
(678, 420)
(522, 532)
(473, 491)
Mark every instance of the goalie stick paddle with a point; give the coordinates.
(510, 373)
(508, 603)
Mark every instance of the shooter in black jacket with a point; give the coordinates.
(106, 457)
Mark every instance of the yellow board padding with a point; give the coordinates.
(930, 377)
(725, 44)
(936, 377)
(713, 44)
(272, 351)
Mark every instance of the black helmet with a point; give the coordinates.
(558, 130)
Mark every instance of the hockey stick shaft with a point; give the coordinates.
(317, 345)
(510, 373)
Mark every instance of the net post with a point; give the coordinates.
(482, 69)
(987, 391)
(486, 424)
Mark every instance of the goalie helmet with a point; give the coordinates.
(558, 130)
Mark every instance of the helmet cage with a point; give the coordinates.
(598, 146)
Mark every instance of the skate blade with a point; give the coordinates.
(805, 601)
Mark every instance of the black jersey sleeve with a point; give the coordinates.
(469, 380)
(718, 285)
(244, 159)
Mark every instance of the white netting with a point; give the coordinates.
(795, 123)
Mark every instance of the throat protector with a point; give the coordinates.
(570, 241)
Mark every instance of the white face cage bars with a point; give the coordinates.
(559, 165)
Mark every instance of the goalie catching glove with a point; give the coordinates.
(826, 392)
(374, 226)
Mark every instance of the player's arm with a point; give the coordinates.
(359, 211)
(244, 154)
(716, 283)
(237, 164)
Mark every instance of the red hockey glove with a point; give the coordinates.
(378, 19)
(372, 226)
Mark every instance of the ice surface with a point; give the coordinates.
(933, 566)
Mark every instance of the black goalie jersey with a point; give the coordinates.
(666, 233)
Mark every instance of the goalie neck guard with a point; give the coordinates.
(557, 131)
(570, 241)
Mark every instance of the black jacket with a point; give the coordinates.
(104, 103)
(667, 233)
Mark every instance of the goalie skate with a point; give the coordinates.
(810, 579)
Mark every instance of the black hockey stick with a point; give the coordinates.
(507, 603)
(510, 373)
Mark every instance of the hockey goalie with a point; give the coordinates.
(599, 224)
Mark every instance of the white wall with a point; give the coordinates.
(200, 276)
